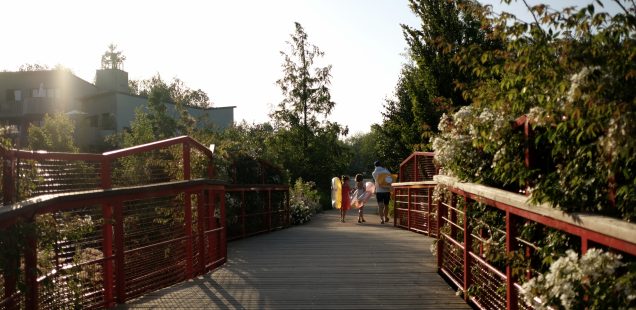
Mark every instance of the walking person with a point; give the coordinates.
(345, 201)
(382, 190)
(359, 196)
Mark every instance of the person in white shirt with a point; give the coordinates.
(382, 193)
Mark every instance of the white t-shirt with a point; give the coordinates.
(380, 170)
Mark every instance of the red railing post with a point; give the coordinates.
(468, 245)
(120, 275)
(31, 267)
(408, 209)
(107, 248)
(415, 170)
(107, 236)
(243, 214)
(269, 209)
(212, 224)
(186, 161)
(429, 201)
(200, 232)
(441, 213)
(224, 223)
(453, 216)
(511, 245)
(8, 178)
(187, 219)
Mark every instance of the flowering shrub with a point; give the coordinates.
(588, 282)
(300, 213)
(303, 201)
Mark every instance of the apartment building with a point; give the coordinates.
(99, 109)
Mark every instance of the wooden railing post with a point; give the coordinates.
(511, 245)
(468, 245)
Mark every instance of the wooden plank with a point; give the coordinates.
(324, 264)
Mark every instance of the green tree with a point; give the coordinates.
(306, 139)
(112, 58)
(363, 152)
(176, 91)
(55, 134)
(431, 83)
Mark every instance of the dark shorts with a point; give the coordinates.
(383, 197)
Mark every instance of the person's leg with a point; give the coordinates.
(362, 212)
(386, 208)
(381, 211)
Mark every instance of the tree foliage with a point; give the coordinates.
(572, 73)
(306, 139)
(112, 58)
(430, 83)
(55, 134)
(176, 91)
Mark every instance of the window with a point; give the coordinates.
(14, 95)
(108, 121)
(93, 121)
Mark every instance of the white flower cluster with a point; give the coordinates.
(619, 133)
(300, 213)
(578, 80)
(570, 277)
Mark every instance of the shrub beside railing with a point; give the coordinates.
(488, 264)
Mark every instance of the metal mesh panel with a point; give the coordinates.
(489, 288)
(421, 217)
(71, 259)
(280, 210)
(39, 177)
(155, 166)
(418, 167)
(10, 302)
(154, 243)
(453, 260)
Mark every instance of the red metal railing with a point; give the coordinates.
(72, 214)
(255, 209)
(77, 242)
(463, 240)
(419, 166)
(413, 204)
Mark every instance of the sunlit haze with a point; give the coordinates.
(229, 49)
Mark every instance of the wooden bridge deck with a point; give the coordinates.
(324, 264)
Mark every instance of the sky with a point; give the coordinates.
(229, 49)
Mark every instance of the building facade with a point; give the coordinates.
(101, 109)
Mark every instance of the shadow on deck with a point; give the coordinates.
(324, 264)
